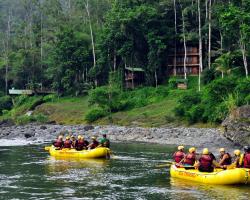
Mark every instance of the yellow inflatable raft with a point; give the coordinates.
(100, 152)
(219, 176)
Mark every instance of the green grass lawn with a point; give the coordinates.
(154, 115)
(73, 110)
(66, 110)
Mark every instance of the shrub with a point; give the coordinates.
(219, 113)
(50, 98)
(219, 89)
(189, 107)
(243, 89)
(172, 83)
(208, 75)
(5, 103)
(247, 99)
(40, 118)
(24, 119)
(19, 100)
(95, 114)
(162, 91)
(194, 114)
(25, 103)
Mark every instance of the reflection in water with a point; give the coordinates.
(59, 164)
(194, 190)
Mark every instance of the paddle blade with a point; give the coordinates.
(163, 166)
(168, 161)
(47, 148)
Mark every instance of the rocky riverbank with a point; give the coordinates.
(237, 126)
(187, 136)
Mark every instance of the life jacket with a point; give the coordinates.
(80, 144)
(58, 143)
(227, 161)
(206, 162)
(178, 156)
(246, 162)
(190, 159)
(94, 144)
(67, 144)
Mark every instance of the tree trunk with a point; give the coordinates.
(200, 38)
(244, 55)
(7, 53)
(41, 40)
(206, 2)
(209, 32)
(175, 28)
(133, 86)
(221, 41)
(114, 61)
(92, 37)
(185, 45)
(200, 46)
(156, 79)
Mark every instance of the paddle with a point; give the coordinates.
(188, 167)
(168, 161)
(168, 164)
(163, 166)
(47, 148)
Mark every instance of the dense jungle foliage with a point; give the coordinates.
(79, 47)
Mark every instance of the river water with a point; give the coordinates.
(28, 172)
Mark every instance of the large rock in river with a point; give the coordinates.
(237, 126)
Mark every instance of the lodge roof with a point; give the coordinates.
(134, 69)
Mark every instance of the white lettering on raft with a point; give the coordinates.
(193, 175)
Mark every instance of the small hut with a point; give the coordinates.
(134, 77)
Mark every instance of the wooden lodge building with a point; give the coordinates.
(175, 64)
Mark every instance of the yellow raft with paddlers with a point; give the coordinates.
(218, 177)
(100, 152)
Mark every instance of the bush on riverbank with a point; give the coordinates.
(215, 102)
(5, 103)
(25, 119)
(16, 108)
(112, 101)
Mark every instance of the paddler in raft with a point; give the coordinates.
(104, 142)
(93, 144)
(207, 162)
(81, 143)
(225, 158)
(179, 155)
(59, 142)
(73, 140)
(67, 143)
(190, 158)
(237, 160)
(246, 158)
